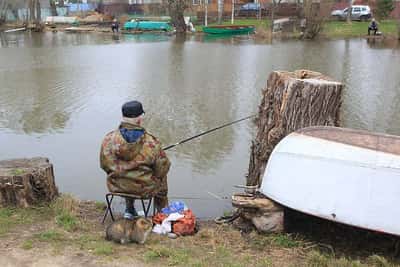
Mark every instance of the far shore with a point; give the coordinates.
(330, 30)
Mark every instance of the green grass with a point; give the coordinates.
(67, 221)
(337, 29)
(17, 172)
(50, 236)
(27, 244)
(317, 259)
(12, 217)
(103, 248)
(173, 256)
(276, 240)
(331, 29)
(378, 261)
(100, 205)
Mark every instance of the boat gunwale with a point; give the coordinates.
(358, 138)
(229, 27)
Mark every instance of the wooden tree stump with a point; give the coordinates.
(291, 100)
(25, 182)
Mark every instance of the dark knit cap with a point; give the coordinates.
(132, 109)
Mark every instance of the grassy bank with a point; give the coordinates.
(331, 29)
(68, 232)
(342, 29)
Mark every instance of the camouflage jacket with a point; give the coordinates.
(135, 168)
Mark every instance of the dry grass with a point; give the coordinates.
(213, 245)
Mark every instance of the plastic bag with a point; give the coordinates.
(177, 206)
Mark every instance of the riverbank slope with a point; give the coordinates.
(68, 232)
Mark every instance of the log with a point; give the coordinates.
(262, 213)
(290, 101)
(254, 202)
(26, 182)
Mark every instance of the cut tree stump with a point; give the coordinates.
(26, 182)
(291, 100)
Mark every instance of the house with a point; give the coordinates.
(119, 7)
(19, 11)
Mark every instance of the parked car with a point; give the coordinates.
(361, 13)
(251, 9)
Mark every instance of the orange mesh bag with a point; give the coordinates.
(186, 225)
(159, 218)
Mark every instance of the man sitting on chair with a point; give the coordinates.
(134, 161)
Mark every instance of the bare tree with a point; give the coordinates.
(205, 12)
(349, 11)
(398, 29)
(275, 4)
(53, 7)
(35, 15)
(3, 10)
(233, 12)
(176, 9)
(314, 15)
(220, 10)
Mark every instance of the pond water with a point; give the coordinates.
(61, 93)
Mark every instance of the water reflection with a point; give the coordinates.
(383, 43)
(63, 92)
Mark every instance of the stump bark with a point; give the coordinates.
(291, 100)
(26, 182)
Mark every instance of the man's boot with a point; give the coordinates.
(130, 211)
(160, 202)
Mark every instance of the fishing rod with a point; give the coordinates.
(207, 132)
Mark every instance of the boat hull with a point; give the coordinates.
(229, 29)
(148, 25)
(347, 176)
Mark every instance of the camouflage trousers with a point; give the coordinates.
(160, 197)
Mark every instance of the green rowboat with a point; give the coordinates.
(229, 29)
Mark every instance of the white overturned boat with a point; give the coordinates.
(343, 175)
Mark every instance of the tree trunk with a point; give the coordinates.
(291, 100)
(25, 182)
(220, 10)
(32, 11)
(206, 13)
(38, 14)
(233, 12)
(3, 11)
(176, 8)
(272, 16)
(349, 11)
(398, 29)
(53, 8)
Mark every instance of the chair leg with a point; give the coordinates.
(154, 208)
(146, 209)
(112, 216)
(146, 213)
(108, 209)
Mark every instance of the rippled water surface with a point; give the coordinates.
(61, 93)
